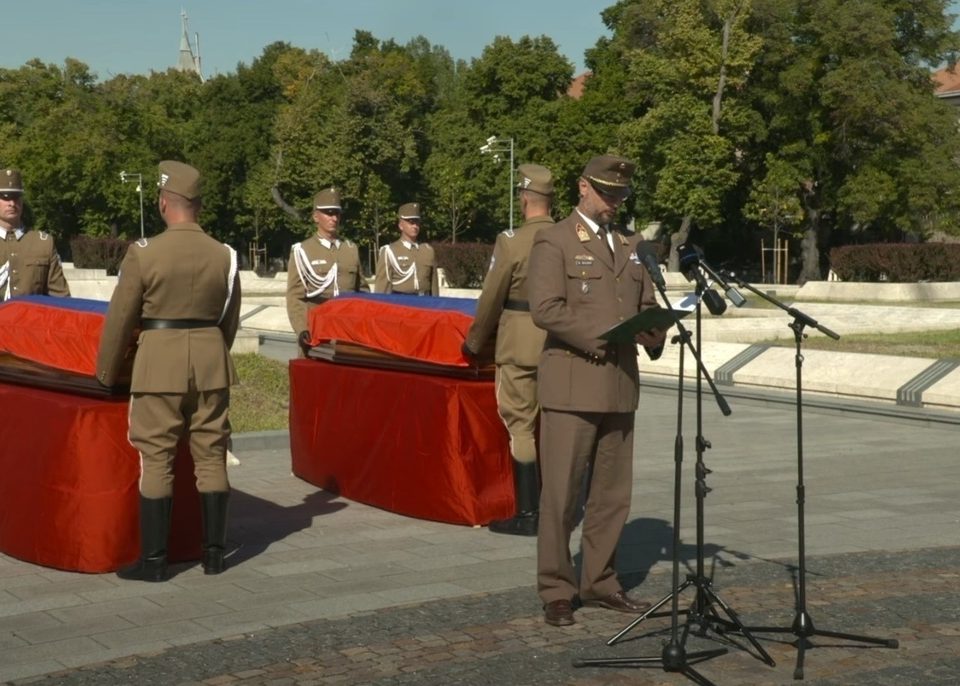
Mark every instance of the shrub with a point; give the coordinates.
(465, 264)
(98, 253)
(897, 262)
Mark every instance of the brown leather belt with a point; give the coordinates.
(517, 305)
(151, 324)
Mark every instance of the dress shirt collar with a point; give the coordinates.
(329, 244)
(18, 233)
(408, 245)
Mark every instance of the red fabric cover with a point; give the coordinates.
(69, 496)
(60, 338)
(428, 335)
(425, 446)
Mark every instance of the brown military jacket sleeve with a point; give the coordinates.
(496, 286)
(381, 284)
(123, 316)
(296, 297)
(56, 281)
(231, 316)
(434, 272)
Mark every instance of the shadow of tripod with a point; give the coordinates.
(802, 626)
(702, 613)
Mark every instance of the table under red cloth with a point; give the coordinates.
(425, 446)
(69, 496)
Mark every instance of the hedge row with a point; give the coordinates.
(897, 262)
(90, 252)
(464, 264)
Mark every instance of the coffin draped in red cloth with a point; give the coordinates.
(427, 329)
(421, 445)
(69, 496)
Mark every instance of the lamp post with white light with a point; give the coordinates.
(128, 176)
(496, 146)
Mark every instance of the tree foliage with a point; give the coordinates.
(811, 117)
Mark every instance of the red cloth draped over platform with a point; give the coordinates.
(69, 496)
(420, 445)
(428, 329)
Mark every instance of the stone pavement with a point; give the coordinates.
(324, 590)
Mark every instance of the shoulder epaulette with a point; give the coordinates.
(348, 242)
(142, 242)
(509, 233)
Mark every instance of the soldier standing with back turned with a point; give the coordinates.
(182, 291)
(503, 308)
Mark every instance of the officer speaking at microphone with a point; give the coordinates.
(583, 279)
(182, 291)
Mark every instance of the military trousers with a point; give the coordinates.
(518, 408)
(573, 444)
(158, 421)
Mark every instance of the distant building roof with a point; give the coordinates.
(575, 89)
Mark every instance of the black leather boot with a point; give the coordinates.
(526, 486)
(213, 508)
(154, 528)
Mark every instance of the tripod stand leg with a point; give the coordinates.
(735, 623)
(660, 603)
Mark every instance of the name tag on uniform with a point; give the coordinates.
(318, 262)
(402, 257)
(583, 260)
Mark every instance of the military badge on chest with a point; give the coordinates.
(581, 261)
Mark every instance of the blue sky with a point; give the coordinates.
(136, 36)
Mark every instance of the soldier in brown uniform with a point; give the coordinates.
(406, 266)
(29, 264)
(503, 308)
(182, 291)
(583, 279)
(323, 265)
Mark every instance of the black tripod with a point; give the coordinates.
(802, 626)
(702, 612)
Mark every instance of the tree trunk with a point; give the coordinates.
(282, 204)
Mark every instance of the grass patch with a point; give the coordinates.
(934, 344)
(261, 401)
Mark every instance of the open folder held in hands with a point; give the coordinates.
(659, 318)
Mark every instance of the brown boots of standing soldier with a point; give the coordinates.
(155, 529)
(526, 485)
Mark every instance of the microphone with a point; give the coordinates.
(648, 258)
(690, 262)
(733, 295)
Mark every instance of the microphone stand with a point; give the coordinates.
(674, 657)
(803, 627)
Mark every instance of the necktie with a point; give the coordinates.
(602, 235)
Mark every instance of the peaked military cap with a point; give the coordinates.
(179, 178)
(610, 174)
(535, 178)
(327, 199)
(10, 181)
(410, 210)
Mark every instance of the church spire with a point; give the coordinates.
(188, 61)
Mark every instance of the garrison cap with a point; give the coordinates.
(535, 178)
(10, 181)
(409, 210)
(610, 174)
(327, 199)
(179, 178)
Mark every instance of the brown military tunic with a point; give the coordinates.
(409, 268)
(181, 377)
(29, 265)
(318, 270)
(588, 393)
(504, 308)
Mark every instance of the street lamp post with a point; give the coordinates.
(496, 145)
(128, 176)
